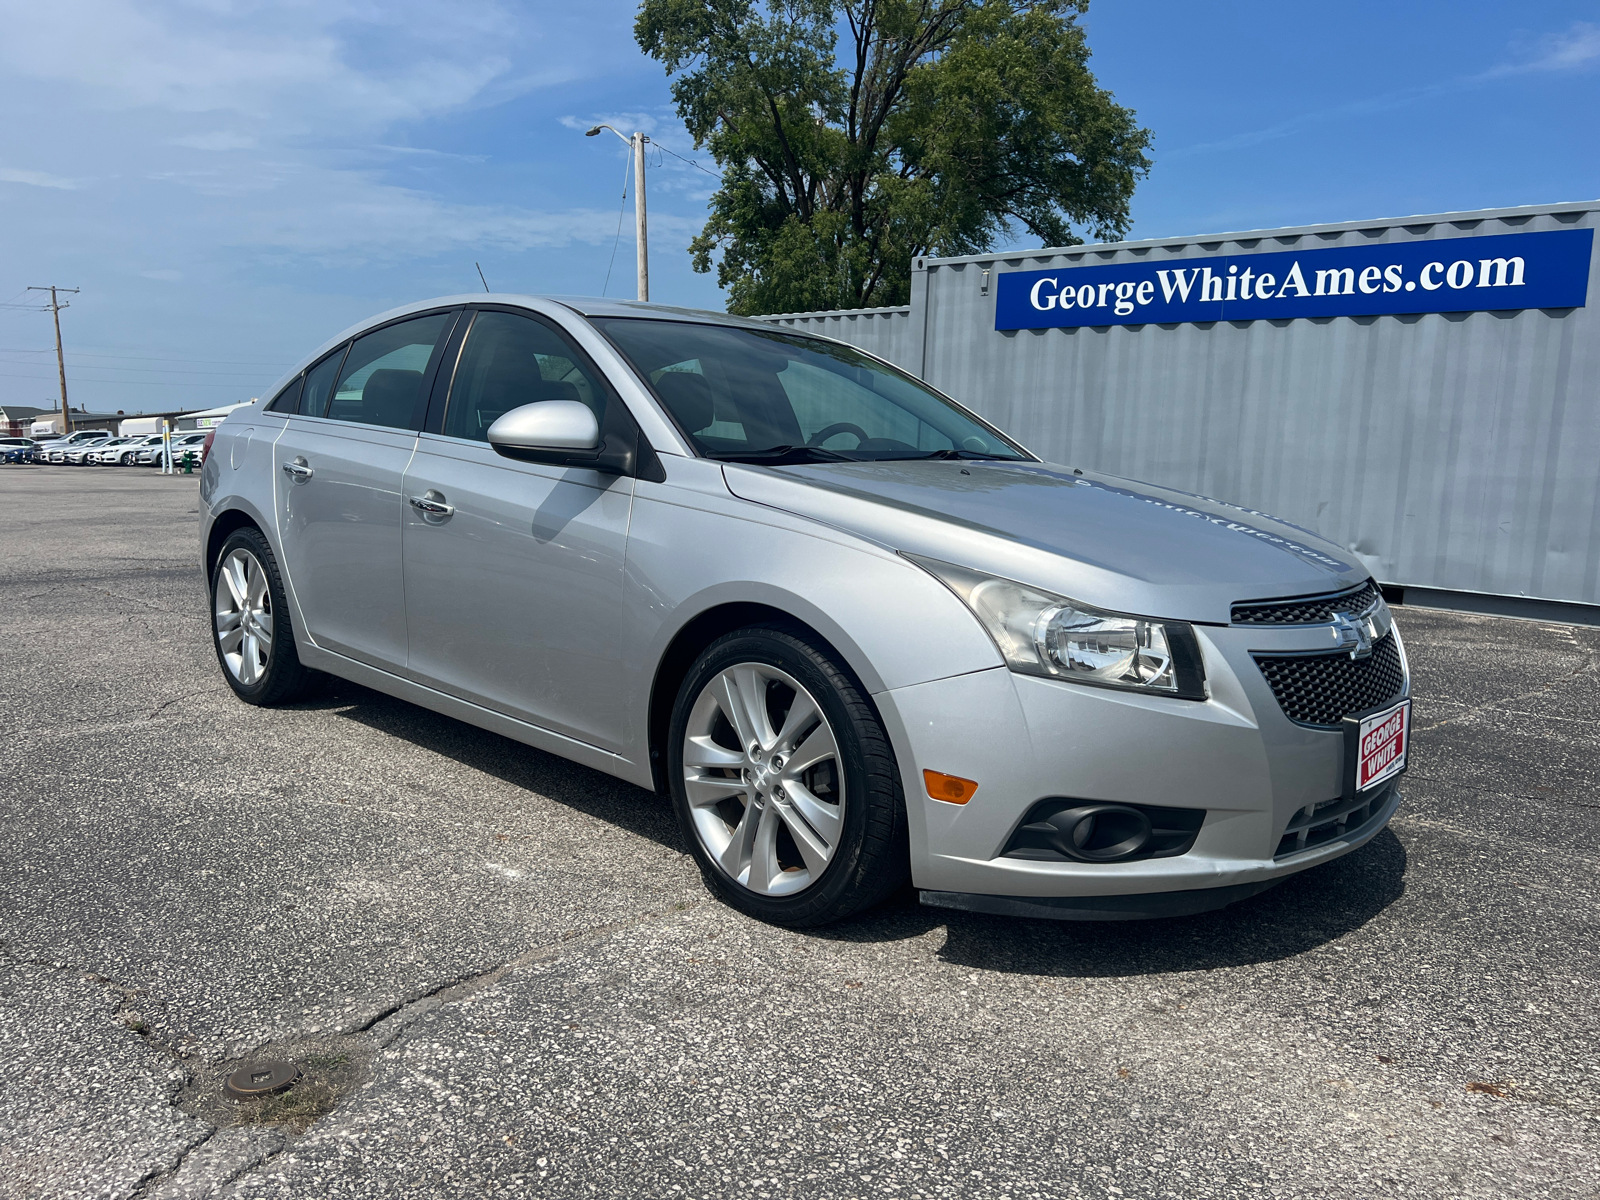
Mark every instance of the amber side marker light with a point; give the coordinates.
(952, 789)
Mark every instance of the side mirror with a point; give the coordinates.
(553, 431)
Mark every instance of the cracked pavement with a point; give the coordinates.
(537, 996)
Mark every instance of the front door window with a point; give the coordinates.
(510, 361)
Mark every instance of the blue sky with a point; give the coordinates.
(231, 183)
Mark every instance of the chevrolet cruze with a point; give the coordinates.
(859, 635)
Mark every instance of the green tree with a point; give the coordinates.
(855, 135)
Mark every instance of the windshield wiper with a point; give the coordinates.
(777, 456)
(962, 453)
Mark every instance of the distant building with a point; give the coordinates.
(209, 418)
(46, 421)
(17, 419)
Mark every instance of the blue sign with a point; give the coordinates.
(1466, 274)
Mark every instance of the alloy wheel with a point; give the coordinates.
(243, 607)
(763, 779)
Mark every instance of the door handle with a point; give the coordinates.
(297, 470)
(431, 505)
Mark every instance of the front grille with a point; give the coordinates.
(1323, 689)
(1319, 823)
(1305, 610)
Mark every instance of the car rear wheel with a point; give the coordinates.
(784, 781)
(250, 624)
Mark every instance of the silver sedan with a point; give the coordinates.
(860, 636)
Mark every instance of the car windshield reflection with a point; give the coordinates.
(754, 395)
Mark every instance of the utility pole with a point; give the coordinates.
(61, 362)
(638, 215)
(636, 145)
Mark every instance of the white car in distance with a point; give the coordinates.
(127, 453)
(150, 456)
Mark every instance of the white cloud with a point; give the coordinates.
(220, 140)
(297, 95)
(424, 152)
(295, 165)
(1571, 50)
(303, 67)
(358, 218)
(1578, 47)
(36, 179)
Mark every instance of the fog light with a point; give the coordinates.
(1099, 832)
(1102, 832)
(952, 789)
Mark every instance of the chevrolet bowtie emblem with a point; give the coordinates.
(1356, 632)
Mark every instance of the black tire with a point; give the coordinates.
(871, 860)
(285, 679)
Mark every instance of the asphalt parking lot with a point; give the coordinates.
(500, 974)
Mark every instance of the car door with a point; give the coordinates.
(338, 468)
(513, 570)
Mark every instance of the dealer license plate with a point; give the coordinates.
(1376, 744)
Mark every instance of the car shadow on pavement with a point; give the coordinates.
(1305, 911)
(581, 788)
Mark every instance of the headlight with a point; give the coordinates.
(1040, 633)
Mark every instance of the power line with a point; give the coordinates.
(690, 161)
(231, 362)
(82, 367)
(129, 382)
(621, 208)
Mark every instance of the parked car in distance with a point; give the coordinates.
(45, 447)
(95, 452)
(150, 456)
(16, 449)
(60, 451)
(856, 633)
(74, 454)
(128, 455)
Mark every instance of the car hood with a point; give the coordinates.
(1110, 542)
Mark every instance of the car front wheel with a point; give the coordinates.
(250, 623)
(784, 781)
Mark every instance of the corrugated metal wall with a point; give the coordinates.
(886, 332)
(1452, 451)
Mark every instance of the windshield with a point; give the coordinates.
(747, 394)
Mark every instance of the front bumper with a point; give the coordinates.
(1025, 739)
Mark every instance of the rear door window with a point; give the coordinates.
(319, 384)
(288, 400)
(383, 374)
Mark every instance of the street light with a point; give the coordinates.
(636, 144)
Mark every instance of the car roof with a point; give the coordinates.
(592, 306)
(584, 306)
(587, 306)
